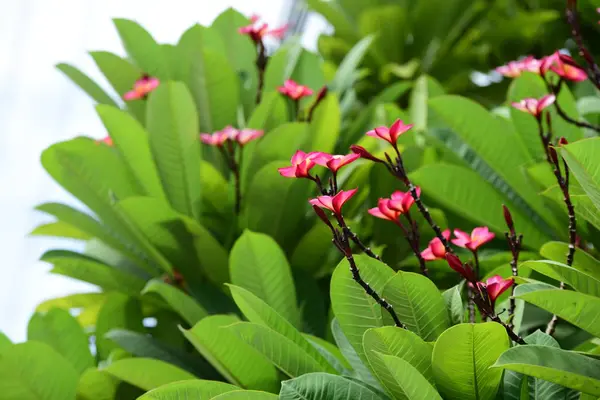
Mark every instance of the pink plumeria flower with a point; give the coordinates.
(436, 249)
(258, 31)
(142, 87)
(219, 137)
(494, 287)
(392, 133)
(364, 153)
(384, 211)
(564, 66)
(247, 135)
(514, 69)
(302, 163)
(478, 237)
(533, 106)
(464, 270)
(334, 162)
(391, 209)
(334, 203)
(402, 201)
(293, 90)
(106, 140)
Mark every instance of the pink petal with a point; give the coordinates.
(376, 212)
(545, 102)
(341, 198)
(446, 234)
(207, 138)
(462, 238)
(323, 202)
(320, 158)
(298, 157)
(437, 248)
(427, 255)
(288, 172)
(132, 95)
(302, 169)
(384, 133)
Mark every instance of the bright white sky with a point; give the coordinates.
(39, 106)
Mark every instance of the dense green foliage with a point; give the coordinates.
(198, 300)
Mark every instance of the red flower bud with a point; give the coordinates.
(508, 219)
(364, 153)
(464, 270)
(562, 141)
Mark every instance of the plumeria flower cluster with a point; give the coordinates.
(294, 91)
(142, 87)
(258, 31)
(561, 64)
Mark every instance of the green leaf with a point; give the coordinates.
(121, 74)
(119, 311)
(532, 85)
(344, 76)
(60, 229)
(412, 385)
(281, 65)
(95, 384)
(387, 23)
(259, 265)
(270, 113)
(282, 351)
(322, 386)
(179, 301)
(498, 150)
(579, 280)
(418, 304)
(392, 341)
(325, 125)
(87, 304)
(259, 312)
(276, 205)
(577, 308)
(461, 359)
(330, 351)
(582, 159)
(246, 395)
(583, 261)
(454, 304)
(196, 389)
(354, 309)
(86, 84)
(458, 189)
(172, 125)
(93, 271)
(236, 361)
(562, 367)
(195, 39)
(34, 371)
(425, 88)
(5, 342)
(336, 16)
(147, 373)
(61, 331)
(146, 346)
(131, 139)
(311, 253)
(142, 48)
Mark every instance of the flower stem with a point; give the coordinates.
(261, 64)
(413, 238)
(511, 333)
(582, 124)
(514, 243)
(593, 70)
(367, 250)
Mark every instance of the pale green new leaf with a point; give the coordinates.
(579, 280)
(196, 389)
(147, 373)
(454, 304)
(582, 158)
(343, 78)
(583, 261)
(86, 84)
(95, 384)
(60, 229)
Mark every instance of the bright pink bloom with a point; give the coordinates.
(333, 203)
(464, 270)
(390, 134)
(402, 201)
(219, 137)
(384, 211)
(391, 209)
(564, 66)
(436, 249)
(516, 68)
(142, 87)
(478, 237)
(107, 141)
(534, 106)
(246, 135)
(293, 90)
(364, 153)
(254, 18)
(258, 31)
(334, 162)
(495, 286)
(301, 165)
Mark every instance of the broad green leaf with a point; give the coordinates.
(459, 189)
(344, 76)
(5, 342)
(241, 53)
(173, 128)
(178, 300)
(282, 64)
(119, 311)
(322, 386)
(583, 261)
(454, 305)
(146, 346)
(311, 253)
(194, 39)
(131, 139)
(60, 229)
(325, 125)
(87, 304)
(461, 359)
(579, 280)
(259, 312)
(577, 308)
(142, 48)
(121, 74)
(196, 389)
(582, 159)
(86, 84)
(87, 269)
(95, 384)
(418, 304)
(276, 205)
(359, 367)
(332, 12)
(532, 85)
(236, 361)
(425, 88)
(330, 351)
(559, 366)
(34, 371)
(147, 373)
(411, 384)
(497, 149)
(61, 331)
(386, 23)
(283, 352)
(270, 112)
(246, 395)
(354, 309)
(259, 265)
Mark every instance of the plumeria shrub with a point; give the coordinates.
(250, 239)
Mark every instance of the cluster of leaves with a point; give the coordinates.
(199, 301)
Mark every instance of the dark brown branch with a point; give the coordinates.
(413, 236)
(582, 124)
(261, 65)
(511, 333)
(367, 250)
(593, 70)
